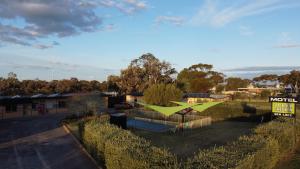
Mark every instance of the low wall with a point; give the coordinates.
(171, 123)
(204, 121)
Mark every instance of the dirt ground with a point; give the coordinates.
(185, 144)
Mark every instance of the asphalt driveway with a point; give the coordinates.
(39, 143)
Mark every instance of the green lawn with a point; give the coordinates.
(187, 143)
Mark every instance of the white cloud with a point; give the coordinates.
(288, 46)
(216, 14)
(56, 18)
(286, 41)
(176, 20)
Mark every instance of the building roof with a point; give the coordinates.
(137, 94)
(28, 99)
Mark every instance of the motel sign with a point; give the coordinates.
(283, 106)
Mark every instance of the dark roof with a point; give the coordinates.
(28, 99)
(136, 94)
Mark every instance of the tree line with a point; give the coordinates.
(148, 70)
(141, 74)
(13, 86)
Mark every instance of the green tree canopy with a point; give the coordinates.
(292, 78)
(199, 78)
(234, 83)
(271, 77)
(143, 72)
(12, 86)
(162, 94)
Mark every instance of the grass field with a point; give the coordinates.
(186, 143)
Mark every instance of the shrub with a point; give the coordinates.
(162, 94)
(229, 110)
(261, 150)
(121, 149)
(265, 94)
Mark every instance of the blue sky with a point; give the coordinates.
(91, 39)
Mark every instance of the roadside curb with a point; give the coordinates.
(80, 146)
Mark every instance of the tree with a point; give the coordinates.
(12, 86)
(12, 75)
(143, 72)
(220, 88)
(291, 79)
(131, 79)
(234, 83)
(199, 78)
(270, 77)
(162, 94)
(200, 85)
(112, 83)
(265, 94)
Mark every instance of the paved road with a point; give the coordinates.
(39, 143)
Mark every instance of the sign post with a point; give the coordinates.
(283, 106)
(286, 107)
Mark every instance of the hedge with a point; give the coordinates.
(261, 150)
(230, 110)
(121, 149)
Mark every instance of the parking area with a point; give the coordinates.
(39, 143)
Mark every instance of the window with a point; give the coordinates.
(33, 106)
(11, 108)
(61, 104)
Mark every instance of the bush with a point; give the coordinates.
(265, 94)
(162, 94)
(261, 150)
(121, 149)
(229, 110)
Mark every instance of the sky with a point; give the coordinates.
(91, 39)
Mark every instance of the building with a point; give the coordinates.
(251, 89)
(134, 97)
(39, 104)
(205, 97)
(21, 106)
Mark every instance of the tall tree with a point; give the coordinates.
(270, 77)
(199, 78)
(234, 83)
(162, 94)
(12, 86)
(112, 83)
(143, 72)
(293, 78)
